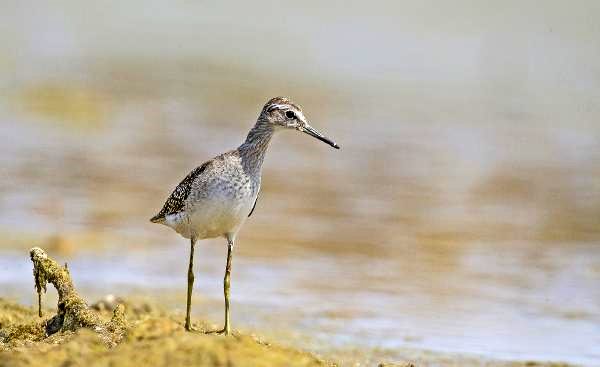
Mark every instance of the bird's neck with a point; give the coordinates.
(253, 150)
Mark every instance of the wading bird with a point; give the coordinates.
(216, 198)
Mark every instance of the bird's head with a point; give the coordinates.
(281, 112)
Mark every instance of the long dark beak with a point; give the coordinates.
(315, 134)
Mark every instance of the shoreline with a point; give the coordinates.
(157, 335)
(116, 329)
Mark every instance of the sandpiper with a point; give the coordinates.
(216, 198)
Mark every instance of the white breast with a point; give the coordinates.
(216, 216)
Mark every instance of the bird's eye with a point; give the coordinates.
(290, 114)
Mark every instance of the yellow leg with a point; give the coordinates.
(190, 285)
(226, 285)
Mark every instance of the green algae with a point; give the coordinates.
(152, 337)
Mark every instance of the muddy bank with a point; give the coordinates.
(118, 332)
(153, 337)
(156, 337)
(112, 332)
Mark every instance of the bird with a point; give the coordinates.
(216, 198)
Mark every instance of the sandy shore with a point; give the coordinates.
(156, 337)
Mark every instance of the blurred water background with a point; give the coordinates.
(462, 213)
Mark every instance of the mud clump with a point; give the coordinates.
(72, 310)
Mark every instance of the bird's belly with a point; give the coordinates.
(219, 216)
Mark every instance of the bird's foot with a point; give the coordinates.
(224, 331)
(190, 328)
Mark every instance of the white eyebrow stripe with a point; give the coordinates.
(277, 107)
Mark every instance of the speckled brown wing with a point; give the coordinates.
(176, 201)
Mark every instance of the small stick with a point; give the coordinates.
(39, 303)
(38, 275)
